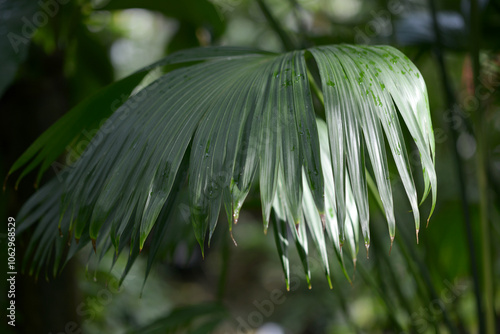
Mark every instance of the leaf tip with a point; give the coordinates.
(367, 245)
(322, 216)
(5, 182)
(94, 245)
(416, 233)
(392, 242)
(354, 262)
(232, 238)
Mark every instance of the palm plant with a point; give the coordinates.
(217, 120)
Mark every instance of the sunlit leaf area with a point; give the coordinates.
(250, 166)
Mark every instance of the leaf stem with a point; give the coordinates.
(382, 259)
(276, 26)
(424, 284)
(391, 309)
(482, 176)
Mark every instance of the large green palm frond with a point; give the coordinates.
(231, 116)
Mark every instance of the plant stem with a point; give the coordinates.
(424, 282)
(485, 229)
(452, 105)
(382, 260)
(317, 91)
(340, 294)
(303, 42)
(276, 26)
(391, 309)
(421, 274)
(481, 172)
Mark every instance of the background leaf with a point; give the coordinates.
(17, 28)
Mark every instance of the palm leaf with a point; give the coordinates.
(74, 127)
(235, 114)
